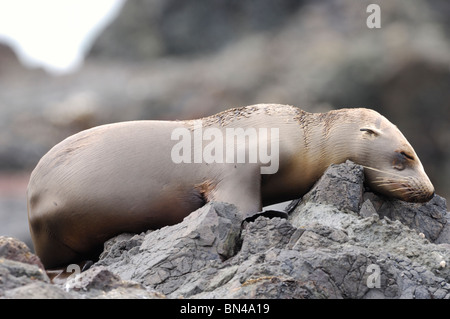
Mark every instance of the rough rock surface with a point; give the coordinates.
(340, 241)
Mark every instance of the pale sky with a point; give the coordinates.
(54, 34)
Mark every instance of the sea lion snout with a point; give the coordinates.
(407, 187)
(392, 167)
(423, 190)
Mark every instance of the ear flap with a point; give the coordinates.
(371, 131)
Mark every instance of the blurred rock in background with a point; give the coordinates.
(176, 59)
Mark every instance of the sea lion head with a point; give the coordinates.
(392, 167)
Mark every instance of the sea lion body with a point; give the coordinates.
(122, 177)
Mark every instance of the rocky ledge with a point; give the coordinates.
(338, 241)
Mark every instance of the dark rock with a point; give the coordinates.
(100, 283)
(265, 234)
(327, 248)
(15, 274)
(20, 271)
(38, 290)
(341, 189)
(444, 236)
(174, 256)
(13, 249)
(428, 218)
(97, 278)
(340, 185)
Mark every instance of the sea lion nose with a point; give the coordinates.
(430, 196)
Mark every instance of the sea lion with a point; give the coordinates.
(124, 177)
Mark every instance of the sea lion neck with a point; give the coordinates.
(331, 138)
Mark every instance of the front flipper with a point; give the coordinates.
(241, 187)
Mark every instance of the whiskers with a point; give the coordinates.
(407, 187)
(381, 171)
(402, 184)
